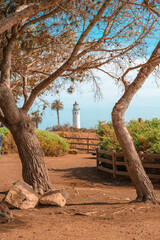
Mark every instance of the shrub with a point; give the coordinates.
(145, 134)
(8, 144)
(107, 137)
(68, 128)
(52, 144)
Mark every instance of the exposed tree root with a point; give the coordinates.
(38, 188)
(146, 199)
(5, 214)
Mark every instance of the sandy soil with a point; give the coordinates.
(98, 207)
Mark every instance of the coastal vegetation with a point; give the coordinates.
(51, 144)
(145, 134)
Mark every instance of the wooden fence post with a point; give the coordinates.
(114, 163)
(88, 144)
(97, 157)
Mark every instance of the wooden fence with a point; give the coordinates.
(113, 163)
(85, 144)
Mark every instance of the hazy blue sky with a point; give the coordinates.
(146, 104)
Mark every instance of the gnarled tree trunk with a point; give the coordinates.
(34, 171)
(135, 169)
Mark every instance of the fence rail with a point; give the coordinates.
(85, 144)
(113, 163)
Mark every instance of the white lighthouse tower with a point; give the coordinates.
(76, 115)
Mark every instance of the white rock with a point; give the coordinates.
(127, 199)
(22, 196)
(54, 198)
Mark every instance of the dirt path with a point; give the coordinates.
(98, 207)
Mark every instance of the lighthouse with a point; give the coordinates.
(76, 115)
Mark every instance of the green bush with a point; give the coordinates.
(52, 144)
(8, 144)
(145, 134)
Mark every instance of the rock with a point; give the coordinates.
(73, 151)
(64, 193)
(55, 198)
(5, 214)
(22, 196)
(127, 199)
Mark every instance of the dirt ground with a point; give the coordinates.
(98, 207)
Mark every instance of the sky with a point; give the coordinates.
(145, 104)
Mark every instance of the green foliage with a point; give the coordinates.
(67, 128)
(52, 144)
(145, 134)
(8, 144)
(107, 137)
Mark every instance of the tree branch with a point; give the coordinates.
(110, 75)
(29, 11)
(144, 72)
(69, 62)
(42, 18)
(135, 67)
(151, 8)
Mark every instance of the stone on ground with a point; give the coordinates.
(55, 198)
(22, 196)
(73, 151)
(64, 193)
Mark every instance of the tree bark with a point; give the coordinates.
(36, 122)
(34, 171)
(58, 117)
(135, 169)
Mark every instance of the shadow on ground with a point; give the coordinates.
(98, 204)
(13, 224)
(92, 175)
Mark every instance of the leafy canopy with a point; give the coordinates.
(46, 43)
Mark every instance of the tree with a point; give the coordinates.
(16, 119)
(57, 105)
(23, 26)
(36, 117)
(136, 171)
